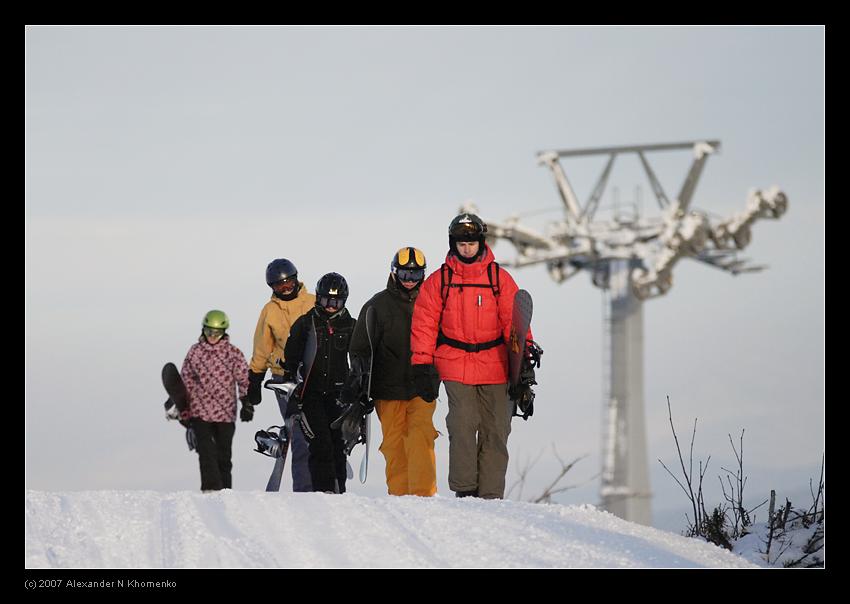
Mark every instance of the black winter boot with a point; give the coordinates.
(466, 493)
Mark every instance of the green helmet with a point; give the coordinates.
(216, 319)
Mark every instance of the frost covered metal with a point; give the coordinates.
(631, 258)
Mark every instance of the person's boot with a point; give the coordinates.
(466, 493)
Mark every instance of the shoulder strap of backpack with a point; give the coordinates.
(445, 284)
(496, 287)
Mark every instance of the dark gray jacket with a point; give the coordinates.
(392, 377)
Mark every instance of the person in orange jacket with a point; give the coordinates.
(406, 418)
(289, 300)
(461, 323)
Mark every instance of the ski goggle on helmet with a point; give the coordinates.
(285, 286)
(332, 291)
(408, 264)
(467, 227)
(215, 324)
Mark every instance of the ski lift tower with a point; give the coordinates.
(631, 258)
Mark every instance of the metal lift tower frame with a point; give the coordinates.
(632, 259)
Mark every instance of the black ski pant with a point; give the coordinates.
(214, 441)
(327, 449)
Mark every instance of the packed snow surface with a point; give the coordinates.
(245, 529)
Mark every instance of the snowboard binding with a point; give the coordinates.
(285, 389)
(521, 394)
(171, 411)
(353, 431)
(270, 442)
(191, 439)
(533, 352)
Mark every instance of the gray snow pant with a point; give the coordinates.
(479, 422)
(299, 452)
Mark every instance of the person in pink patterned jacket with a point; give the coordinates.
(214, 371)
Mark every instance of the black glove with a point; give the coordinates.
(354, 388)
(247, 412)
(255, 382)
(426, 381)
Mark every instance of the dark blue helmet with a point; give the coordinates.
(280, 269)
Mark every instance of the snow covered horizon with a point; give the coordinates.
(254, 529)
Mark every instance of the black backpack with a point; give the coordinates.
(444, 287)
(444, 293)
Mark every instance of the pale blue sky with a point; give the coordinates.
(165, 167)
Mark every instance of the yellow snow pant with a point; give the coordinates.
(408, 446)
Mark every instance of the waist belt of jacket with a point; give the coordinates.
(443, 339)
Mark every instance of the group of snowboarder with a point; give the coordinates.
(458, 326)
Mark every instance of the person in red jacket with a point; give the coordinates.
(461, 322)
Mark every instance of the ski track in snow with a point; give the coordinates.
(241, 529)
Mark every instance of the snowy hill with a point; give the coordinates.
(238, 529)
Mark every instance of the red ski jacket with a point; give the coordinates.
(473, 314)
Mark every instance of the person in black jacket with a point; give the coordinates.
(329, 325)
(406, 419)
